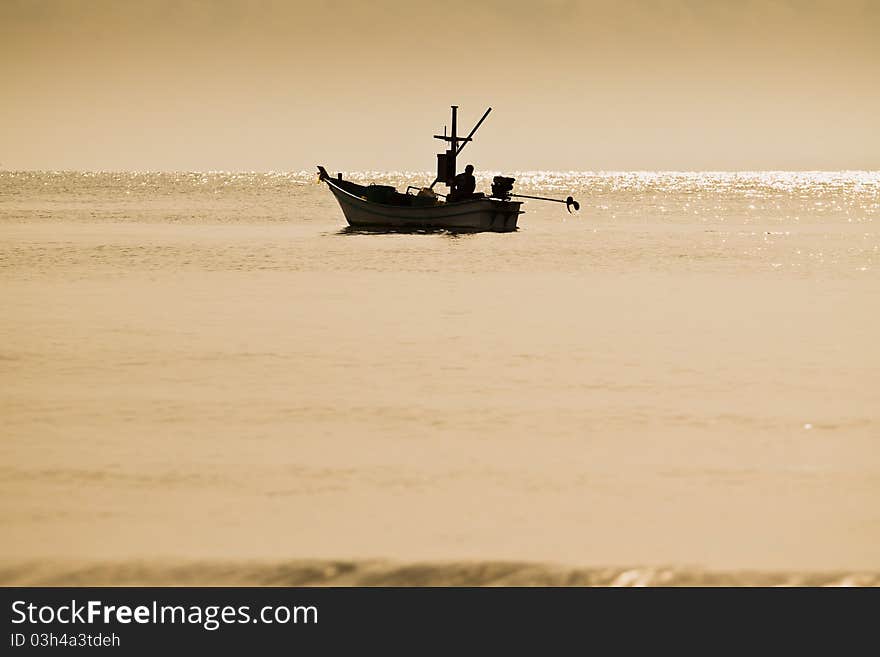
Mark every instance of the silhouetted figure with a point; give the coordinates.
(463, 185)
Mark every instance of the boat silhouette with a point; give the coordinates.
(382, 207)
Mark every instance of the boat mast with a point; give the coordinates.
(446, 161)
(452, 152)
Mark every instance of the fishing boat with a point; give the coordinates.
(382, 207)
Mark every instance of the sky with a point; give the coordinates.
(277, 85)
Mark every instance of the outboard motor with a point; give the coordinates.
(502, 187)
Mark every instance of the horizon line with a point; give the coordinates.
(425, 172)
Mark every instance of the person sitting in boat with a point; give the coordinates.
(463, 185)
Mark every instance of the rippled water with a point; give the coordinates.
(207, 366)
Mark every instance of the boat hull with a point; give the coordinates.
(482, 214)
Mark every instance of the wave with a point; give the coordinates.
(386, 573)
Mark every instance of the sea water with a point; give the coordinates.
(208, 368)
